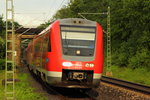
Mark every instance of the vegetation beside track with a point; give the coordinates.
(23, 89)
(2, 75)
(130, 31)
(138, 75)
(130, 39)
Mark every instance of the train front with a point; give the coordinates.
(78, 53)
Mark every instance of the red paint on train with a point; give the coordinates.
(45, 55)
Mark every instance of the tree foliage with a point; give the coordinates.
(2, 43)
(2, 40)
(130, 27)
(131, 34)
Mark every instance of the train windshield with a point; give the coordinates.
(78, 41)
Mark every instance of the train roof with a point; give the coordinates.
(45, 30)
(72, 21)
(77, 21)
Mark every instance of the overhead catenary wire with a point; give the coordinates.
(62, 2)
(28, 23)
(18, 35)
(109, 72)
(51, 7)
(54, 9)
(31, 13)
(33, 20)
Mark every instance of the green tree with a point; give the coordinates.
(2, 40)
(2, 43)
(2, 24)
(130, 21)
(130, 32)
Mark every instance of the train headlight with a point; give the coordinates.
(91, 65)
(78, 52)
(67, 64)
(88, 65)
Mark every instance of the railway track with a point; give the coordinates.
(64, 93)
(100, 93)
(126, 84)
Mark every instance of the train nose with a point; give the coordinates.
(77, 75)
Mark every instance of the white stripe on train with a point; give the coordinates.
(59, 74)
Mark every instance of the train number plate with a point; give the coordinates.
(78, 75)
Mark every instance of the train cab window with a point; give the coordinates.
(78, 41)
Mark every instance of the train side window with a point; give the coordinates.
(49, 43)
(37, 47)
(46, 43)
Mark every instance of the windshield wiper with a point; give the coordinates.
(65, 44)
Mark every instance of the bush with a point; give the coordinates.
(138, 75)
(141, 59)
(2, 64)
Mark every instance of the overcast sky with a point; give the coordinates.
(31, 13)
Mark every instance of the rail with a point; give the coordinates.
(126, 84)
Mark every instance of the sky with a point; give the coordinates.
(32, 13)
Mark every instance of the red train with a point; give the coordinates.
(69, 53)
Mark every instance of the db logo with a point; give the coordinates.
(89, 65)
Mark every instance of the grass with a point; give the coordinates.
(25, 92)
(139, 75)
(2, 75)
(23, 89)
